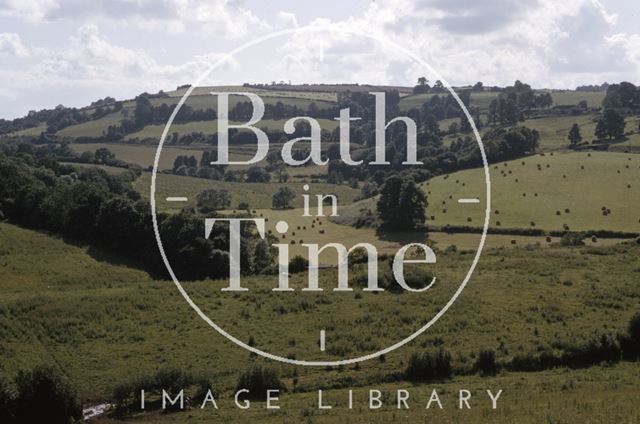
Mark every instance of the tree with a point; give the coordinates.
(213, 199)
(44, 397)
(601, 129)
(143, 111)
(574, 135)
(282, 198)
(103, 155)
(610, 125)
(422, 86)
(257, 174)
(402, 204)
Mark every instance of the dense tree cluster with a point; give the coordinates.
(402, 204)
(38, 396)
(610, 125)
(624, 95)
(102, 209)
(510, 105)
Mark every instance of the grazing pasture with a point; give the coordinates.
(553, 191)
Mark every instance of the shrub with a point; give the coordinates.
(298, 264)
(486, 363)
(572, 239)
(44, 397)
(428, 366)
(258, 380)
(7, 401)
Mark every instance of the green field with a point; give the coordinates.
(526, 197)
(257, 195)
(593, 98)
(31, 132)
(95, 128)
(94, 317)
(322, 96)
(210, 127)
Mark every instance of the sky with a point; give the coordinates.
(73, 52)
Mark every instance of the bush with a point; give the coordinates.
(486, 363)
(258, 380)
(572, 239)
(8, 397)
(44, 397)
(298, 264)
(428, 366)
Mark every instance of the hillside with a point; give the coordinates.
(87, 314)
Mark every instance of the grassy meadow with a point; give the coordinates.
(97, 330)
(542, 191)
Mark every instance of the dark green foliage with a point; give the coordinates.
(486, 362)
(611, 125)
(257, 174)
(574, 135)
(298, 264)
(102, 209)
(8, 395)
(213, 199)
(282, 198)
(258, 380)
(429, 366)
(43, 396)
(402, 204)
(634, 329)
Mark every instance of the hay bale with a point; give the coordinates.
(533, 224)
(468, 219)
(498, 223)
(558, 212)
(513, 241)
(567, 210)
(497, 212)
(548, 239)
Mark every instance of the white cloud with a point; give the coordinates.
(225, 17)
(11, 44)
